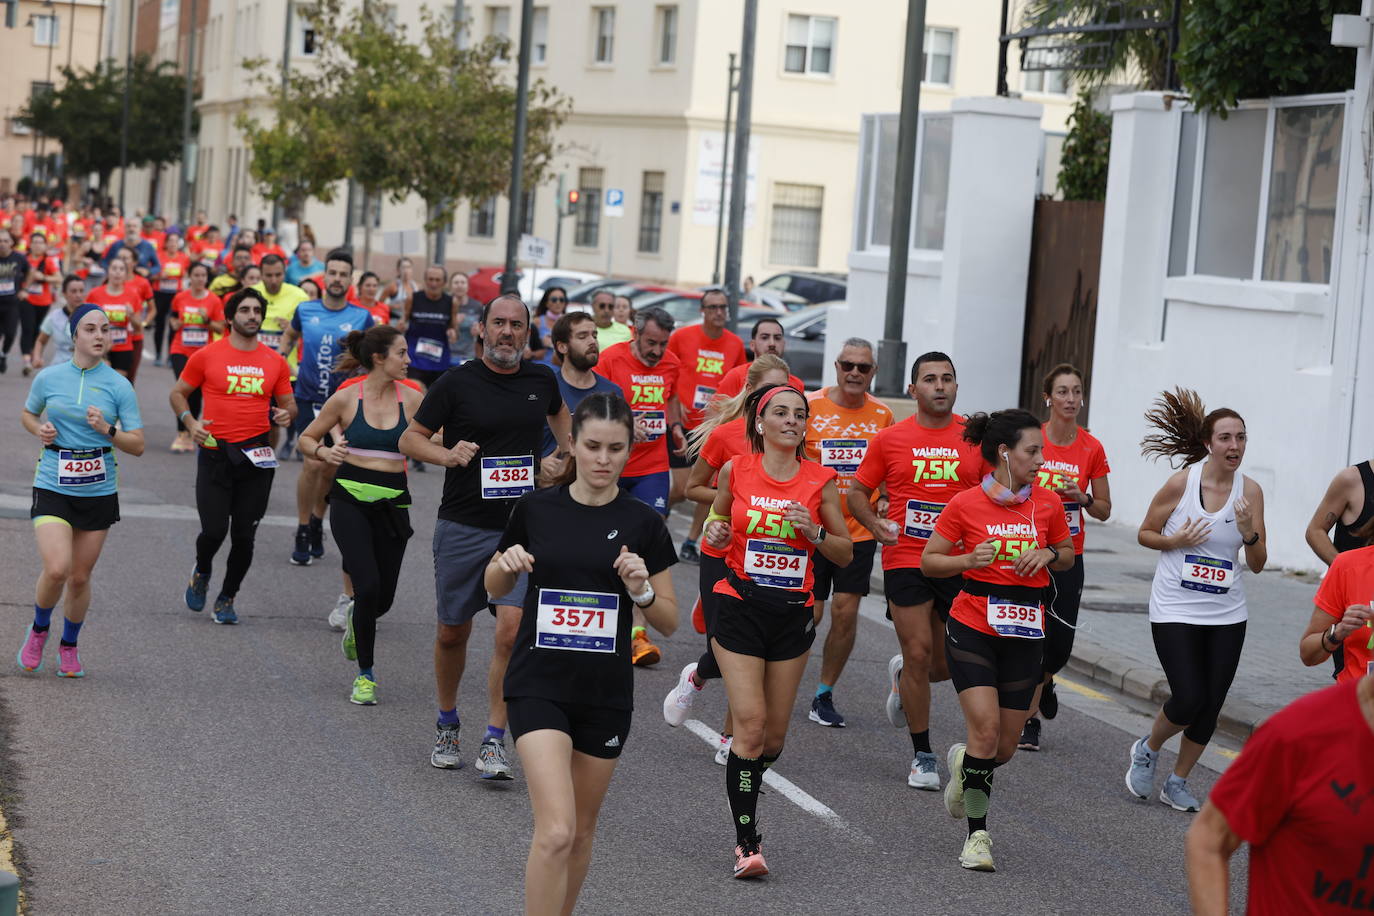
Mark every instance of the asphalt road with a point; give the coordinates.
(205, 769)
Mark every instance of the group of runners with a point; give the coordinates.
(980, 520)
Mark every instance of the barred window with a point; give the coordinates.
(587, 230)
(651, 213)
(482, 219)
(795, 239)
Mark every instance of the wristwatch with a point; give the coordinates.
(110, 433)
(1252, 540)
(644, 598)
(1054, 550)
(820, 535)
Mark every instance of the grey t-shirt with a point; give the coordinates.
(57, 325)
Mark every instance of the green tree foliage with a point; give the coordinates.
(1087, 151)
(1246, 49)
(1139, 58)
(85, 115)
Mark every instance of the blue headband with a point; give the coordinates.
(82, 311)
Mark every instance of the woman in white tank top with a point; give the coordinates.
(1201, 521)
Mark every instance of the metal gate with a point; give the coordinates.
(1061, 295)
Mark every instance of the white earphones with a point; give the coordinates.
(1047, 402)
(758, 427)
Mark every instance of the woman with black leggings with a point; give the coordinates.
(369, 500)
(1200, 521)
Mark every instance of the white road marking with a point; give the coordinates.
(166, 511)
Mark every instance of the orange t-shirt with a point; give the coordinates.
(144, 289)
(119, 309)
(733, 382)
(1080, 462)
(923, 468)
(238, 387)
(41, 291)
(196, 316)
(838, 437)
(647, 389)
(1350, 580)
(724, 443)
(174, 270)
(704, 362)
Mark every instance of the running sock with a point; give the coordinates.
(315, 522)
(70, 631)
(448, 716)
(367, 673)
(742, 778)
(495, 734)
(637, 632)
(767, 760)
(977, 790)
(823, 688)
(689, 542)
(42, 618)
(920, 742)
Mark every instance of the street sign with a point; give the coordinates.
(615, 203)
(536, 251)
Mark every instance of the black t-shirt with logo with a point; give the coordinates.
(566, 653)
(504, 414)
(14, 270)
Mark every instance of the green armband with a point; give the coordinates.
(713, 516)
(183, 415)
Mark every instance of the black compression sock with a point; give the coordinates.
(920, 742)
(767, 760)
(977, 790)
(742, 779)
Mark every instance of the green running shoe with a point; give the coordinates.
(350, 641)
(364, 691)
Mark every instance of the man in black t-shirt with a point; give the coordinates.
(14, 270)
(492, 412)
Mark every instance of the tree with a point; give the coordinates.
(1087, 152)
(1247, 49)
(85, 115)
(1139, 57)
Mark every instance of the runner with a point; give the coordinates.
(1197, 601)
(283, 299)
(57, 325)
(492, 412)
(267, 245)
(430, 325)
(1075, 463)
(121, 304)
(705, 353)
(469, 314)
(766, 510)
(647, 375)
(303, 265)
(609, 332)
(369, 286)
(570, 687)
(719, 438)
(45, 271)
(574, 340)
(176, 263)
(624, 311)
(370, 500)
(766, 337)
(1013, 533)
(240, 380)
(401, 287)
(208, 248)
(229, 282)
(197, 316)
(1347, 506)
(14, 270)
(1342, 619)
(924, 462)
(91, 411)
(552, 306)
(143, 313)
(320, 326)
(844, 420)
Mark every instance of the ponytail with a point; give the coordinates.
(1184, 427)
(361, 348)
(1001, 427)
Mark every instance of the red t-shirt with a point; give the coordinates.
(196, 233)
(764, 547)
(704, 362)
(1350, 580)
(924, 468)
(1302, 795)
(380, 311)
(261, 251)
(838, 438)
(196, 315)
(208, 252)
(40, 292)
(733, 382)
(1080, 462)
(238, 387)
(120, 309)
(725, 442)
(157, 238)
(647, 390)
(175, 267)
(973, 518)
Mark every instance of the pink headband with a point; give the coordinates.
(763, 401)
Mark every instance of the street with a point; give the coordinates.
(205, 769)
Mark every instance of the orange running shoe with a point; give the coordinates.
(749, 860)
(698, 618)
(642, 652)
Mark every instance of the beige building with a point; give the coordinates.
(648, 86)
(46, 37)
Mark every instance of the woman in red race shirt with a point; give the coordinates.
(1343, 618)
(197, 317)
(45, 270)
(121, 303)
(1014, 533)
(170, 280)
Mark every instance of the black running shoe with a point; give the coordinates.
(1030, 736)
(1049, 702)
(316, 532)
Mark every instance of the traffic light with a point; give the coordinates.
(573, 197)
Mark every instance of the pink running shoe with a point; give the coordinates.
(749, 860)
(71, 662)
(30, 657)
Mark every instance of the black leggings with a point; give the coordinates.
(712, 571)
(193, 399)
(372, 553)
(30, 318)
(231, 499)
(1200, 663)
(164, 308)
(1061, 614)
(9, 323)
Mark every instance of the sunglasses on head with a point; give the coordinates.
(846, 366)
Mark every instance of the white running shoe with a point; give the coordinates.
(924, 772)
(723, 752)
(977, 854)
(339, 616)
(677, 705)
(954, 789)
(895, 715)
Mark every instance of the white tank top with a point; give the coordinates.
(1201, 584)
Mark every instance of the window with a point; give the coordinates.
(374, 207)
(498, 25)
(877, 178)
(1048, 82)
(46, 31)
(939, 57)
(667, 36)
(587, 229)
(527, 212)
(932, 183)
(482, 219)
(810, 44)
(1243, 214)
(651, 213)
(38, 89)
(603, 52)
(1042, 79)
(539, 46)
(309, 37)
(795, 239)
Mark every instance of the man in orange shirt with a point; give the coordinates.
(706, 352)
(844, 419)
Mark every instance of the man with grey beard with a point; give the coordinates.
(492, 412)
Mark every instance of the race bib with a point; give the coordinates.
(430, 349)
(578, 621)
(1207, 574)
(655, 423)
(844, 455)
(702, 397)
(271, 338)
(1021, 621)
(36, 289)
(7, 286)
(81, 467)
(262, 456)
(168, 285)
(119, 336)
(1073, 517)
(507, 478)
(195, 337)
(172, 269)
(920, 518)
(775, 563)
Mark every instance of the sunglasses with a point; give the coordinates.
(557, 299)
(846, 366)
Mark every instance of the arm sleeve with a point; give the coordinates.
(713, 451)
(555, 396)
(1331, 594)
(950, 524)
(194, 372)
(283, 383)
(437, 405)
(515, 532)
(126, 403)
(296, 320)
(872, 469)
(658, 552)
(1256, 790)
(38, 395)
(1100, 468)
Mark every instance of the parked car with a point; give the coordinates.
(583, 292)
(683, 305)
(804, 331)
(533, 282)
(813, 287)
(485, 282)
